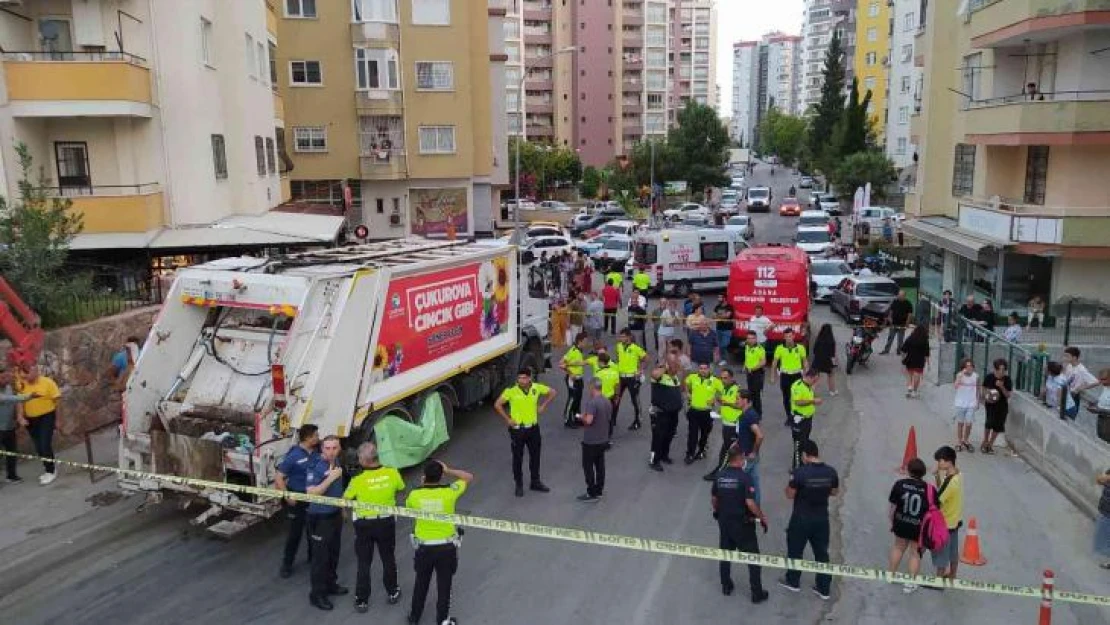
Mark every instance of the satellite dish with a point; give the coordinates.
(49, 29)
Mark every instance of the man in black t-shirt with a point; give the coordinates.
(898, 317)
(811, 485)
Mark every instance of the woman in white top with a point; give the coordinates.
(968, 399)
(667, 323)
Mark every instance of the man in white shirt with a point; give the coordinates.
(759, 323)
(1079, 378)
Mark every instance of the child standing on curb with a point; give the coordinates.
(968, 398)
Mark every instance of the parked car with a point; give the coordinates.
(550, 245)
(593, 222)
(805, 182)
(759, 199)
(857, 296)
(873, 216)
(590, 247)
(825, 275)
(790, 207)
(814, 240)
(813, 219)
(826, 202)
(614, 254)
(554, 205)
(742, 224)
(544, 230)
(683, 210)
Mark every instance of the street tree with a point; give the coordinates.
(782, 135)
(591, 182)
(546, 166)
(35, 233)
(700, 147)
(829, 108)
(851, 134)
(856, 170)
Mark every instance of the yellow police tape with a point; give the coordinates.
(631, 543)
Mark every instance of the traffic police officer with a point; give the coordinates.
(291, 477)
(702, 389)
(736, 513)
(630, 357)
(574, 364)
(803, 405)
(666, 403)
(641, 281)
(730, 409)
(523, 419)
(755, 366)
(615, 278)
(436, 542)
(325, 523)
(789, 363)
(375, 485)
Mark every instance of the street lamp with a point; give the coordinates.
(524, 133)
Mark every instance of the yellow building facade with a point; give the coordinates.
(872, 59)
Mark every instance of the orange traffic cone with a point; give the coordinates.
(911, 450)
(971, 554)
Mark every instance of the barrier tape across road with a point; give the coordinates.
(630, 543)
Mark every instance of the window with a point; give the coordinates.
(512, 100)
(431, 12)
(374, 11)
(655, 101)
(903, 115)
(379, 205)
(872, 34)
(283, 155)
(376, 68)
(973, 64)
(435, 75)
(901, 149)
(869, 82)
(72, 160)
(512, 29)
(437, 139)
(907, 52)
(310, 139)
(870, 58)
(273, 64)
(656, 13)
(300, 8)
(219, 156)
(260, 155)
(714, 252)
(963, 170)
(305, 73)
(271, 156)
(905, 87)
(263, 65)
(873, 9)
(1036, 174)
(250, 56)
(206, 42)
(908, 23)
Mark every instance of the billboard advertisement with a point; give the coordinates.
(433, 210)
(432, 315)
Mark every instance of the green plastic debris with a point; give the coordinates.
(404, 444)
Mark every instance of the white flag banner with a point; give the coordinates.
(867, 195)
(857, 201)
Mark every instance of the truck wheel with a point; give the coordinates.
(683, 288)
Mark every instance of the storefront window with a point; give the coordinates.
(1023, 278)
(932, 271)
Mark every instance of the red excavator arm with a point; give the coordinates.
(21, 327)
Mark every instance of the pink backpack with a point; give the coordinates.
(934, 529)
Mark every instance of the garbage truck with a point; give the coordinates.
(384, 342)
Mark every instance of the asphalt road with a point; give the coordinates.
(160, 571)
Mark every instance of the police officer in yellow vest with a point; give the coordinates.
(641, 281)
(615, 278)
(523, 419)
(574, 365)
(730, 409)
(630, 358)
(803, 405)
(436, 542)
(789, 363)
(375, 485)
(702, 389)
(755, 367)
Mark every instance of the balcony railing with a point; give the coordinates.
(1019, 222)
(114, 208)
(1092, 95)
(101, 56)
(110, 190)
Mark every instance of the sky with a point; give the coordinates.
(747, 20)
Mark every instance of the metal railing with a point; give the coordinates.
(110, 294)
(1091, 95)
(103, 190)
(1020, 208)
(74, 56)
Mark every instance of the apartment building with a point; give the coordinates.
(904, 76)
(390, 110)
(872, 59)
(822, 19)
(158, 120)
(764, 72)
(590, 76)
(1010, 198)
(693, 54)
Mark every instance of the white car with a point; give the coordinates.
(814, 241)
(873, 216)
(742, 224)
(549, 245)
(614, 253)
(525, 205)
(536, 232)
(554, 205)
(684, 210)
(622, 227)
(813, 219)
(826, 275)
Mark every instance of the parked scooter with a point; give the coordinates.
(859, 350)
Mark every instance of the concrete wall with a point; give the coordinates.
(78, 358)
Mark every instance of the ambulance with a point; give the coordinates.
(681, 259)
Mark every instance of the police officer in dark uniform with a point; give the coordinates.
(737, 512)
(325, 523)
(666, 403)
(291, 477)
(810, 487)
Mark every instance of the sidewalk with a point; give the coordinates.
(1025, 524)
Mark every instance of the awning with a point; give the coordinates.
(273, 228)
(946, 233)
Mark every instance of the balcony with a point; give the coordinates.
(537, 10)
(115, 208)
(633, 63)
(540, 107)
(383, 165)
(363, 34)
(538, 85)
(538, 60)
(279, 107)
(632, 85)
(77, 84)
(633, 40)
(537, 38)
(632, 105)
(536, 130)
(379, 102)
(1036, 225)
(632, 18)
(1001, 23)
(1061, 118)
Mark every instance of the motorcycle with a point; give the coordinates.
(859, 350)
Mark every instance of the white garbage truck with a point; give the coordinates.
(383, 342)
